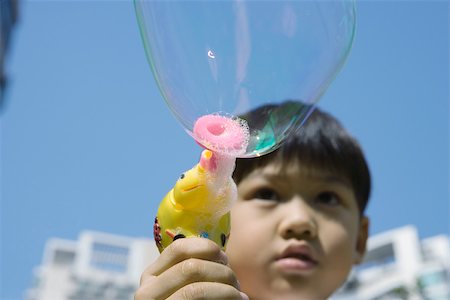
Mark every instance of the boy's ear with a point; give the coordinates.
(362, 240)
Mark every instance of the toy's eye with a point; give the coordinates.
(182, 176)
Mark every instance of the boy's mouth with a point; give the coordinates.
(297, 258)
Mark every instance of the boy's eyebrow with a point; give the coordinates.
(328, 178)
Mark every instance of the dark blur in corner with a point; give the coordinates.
(8, 19)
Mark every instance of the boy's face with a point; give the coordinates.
(295, 233)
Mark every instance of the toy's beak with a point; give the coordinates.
(189, 183)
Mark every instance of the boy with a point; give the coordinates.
(297, 227)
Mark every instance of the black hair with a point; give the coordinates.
(321, 142)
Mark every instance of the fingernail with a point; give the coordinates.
(244, 296)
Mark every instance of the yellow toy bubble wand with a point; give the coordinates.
(199, 204)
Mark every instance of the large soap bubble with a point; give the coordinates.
(221, 59)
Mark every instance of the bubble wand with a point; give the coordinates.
(199, 203)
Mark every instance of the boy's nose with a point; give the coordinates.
(298, 221)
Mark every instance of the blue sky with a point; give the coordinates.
(88, 143)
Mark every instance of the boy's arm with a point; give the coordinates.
(190, 268)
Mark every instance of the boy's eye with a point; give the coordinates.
(328, 198)
(266, 194)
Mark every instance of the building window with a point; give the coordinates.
(109, 257)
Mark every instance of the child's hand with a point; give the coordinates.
(190, 268)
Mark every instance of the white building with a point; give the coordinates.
(398, 265)
(98, 266)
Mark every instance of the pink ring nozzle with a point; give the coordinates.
(222, 134)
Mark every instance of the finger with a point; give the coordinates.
(182, 249)
(187, 272)
(208, 290)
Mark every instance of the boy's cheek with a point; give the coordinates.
(337, 241)
(247, 235)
